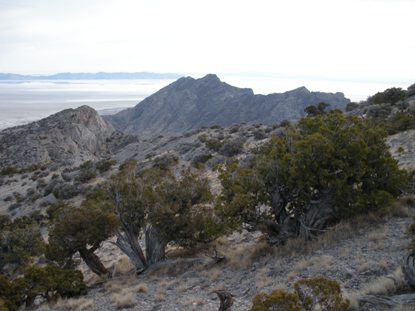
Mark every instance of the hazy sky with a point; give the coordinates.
(368, 40)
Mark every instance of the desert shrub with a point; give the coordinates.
(104, 165)
(320, 293)
(51, 283)
(202, 138)
(201, 159)
(234, 128)
(400, 121)
(315, 110)
(351, 106)
(9, 170)
(232, 147)
(18, 196)
(309, 294)
(65, 191)
(278, 300)
(260, 134)
(388, 96)
(19, 241)
(128, 163)
(213, 144)
(14, 206)
(87, 172)
(379, 112)
(330, 165)
(8, 198)
(41, 183)
(44, 173)
(9, 294)
(66, 176)
(164, 162)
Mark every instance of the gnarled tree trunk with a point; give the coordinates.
(129, 245)
(155, 245)
(93, 262)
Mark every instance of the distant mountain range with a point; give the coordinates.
(91, 76)
(190, 103)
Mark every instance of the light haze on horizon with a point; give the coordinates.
(350, 40)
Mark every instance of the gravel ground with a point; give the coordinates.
(364, 257)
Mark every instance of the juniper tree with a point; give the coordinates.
(326, 168)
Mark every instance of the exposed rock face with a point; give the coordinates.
(192, 103)
(67, 137)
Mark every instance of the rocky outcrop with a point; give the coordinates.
(193, 103)
(67, 137)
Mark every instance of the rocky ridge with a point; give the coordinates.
(68, 137)
(189, 103)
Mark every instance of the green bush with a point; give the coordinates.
(389, 96)
(201, 159)
(332, 164)
(309, 294)
(164, 162)
(86, 175)
(351, 106)
(278, 300)
(9, 170)
(321, 293)
(19, 241)
(399, 122)
(49, 282)
(104, 165)
(232, 147)
(213, 144)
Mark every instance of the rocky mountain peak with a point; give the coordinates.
(190, 103)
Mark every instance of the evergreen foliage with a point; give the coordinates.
(309, 294)
(329, 167)
(81, 230)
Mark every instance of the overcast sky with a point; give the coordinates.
(369, 40)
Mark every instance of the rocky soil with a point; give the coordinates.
(365, 257)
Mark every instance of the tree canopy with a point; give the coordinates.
(327, 167)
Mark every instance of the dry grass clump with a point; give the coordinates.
(196, 302)
(377, 235)
(385, 284)
(291, 275)
(322, 263)
(167, 283)
(212, 274)
(140, 288)
(124, 299)
(401, 207)
(353, 298)
(243, 255)
(114, 286)
(262, 279)
(123, 266)
(74, 304)
(332, 236)
(159, 296)
(302, 264)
